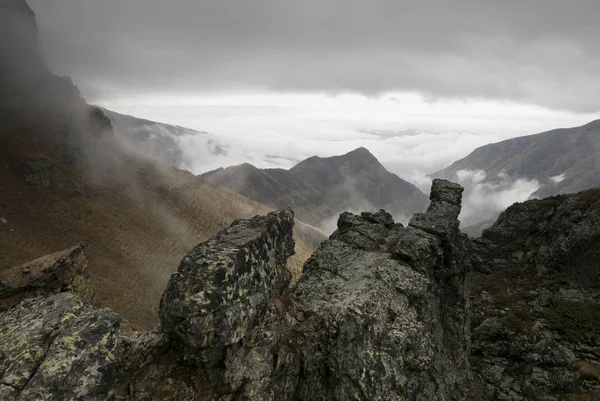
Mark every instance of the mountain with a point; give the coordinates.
(66, 178)
(164, 142)
(319, 189)
(562, 160)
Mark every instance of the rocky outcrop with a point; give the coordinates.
(394, 304)
(558, 237)
(536, 334)
(380, 313)
(58, 272)
(53, 345)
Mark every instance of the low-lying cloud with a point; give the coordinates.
(485, 197)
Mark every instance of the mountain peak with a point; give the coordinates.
(361, 153)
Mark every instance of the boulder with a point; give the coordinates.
(58, 272)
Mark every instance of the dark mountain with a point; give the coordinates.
(562, 160)
(319, 189)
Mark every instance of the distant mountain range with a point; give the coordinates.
(318, 189)
(562, 160)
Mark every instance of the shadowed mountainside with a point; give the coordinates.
(319, 189)
(564, 160)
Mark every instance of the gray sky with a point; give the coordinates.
(542, 52)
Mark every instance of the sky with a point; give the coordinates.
(419, 83)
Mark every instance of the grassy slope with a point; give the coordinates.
(136, 228)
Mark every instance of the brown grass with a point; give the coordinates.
(136, 228)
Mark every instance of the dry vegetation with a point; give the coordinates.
(137, 223)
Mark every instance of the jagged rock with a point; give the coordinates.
(558, 237)
(381, 312)
(377, 327)
(220, 312)
(537, 333)
(223, 286)
(58, 272)
(57, 348)
(361, 323)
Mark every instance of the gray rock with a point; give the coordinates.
(557, 237)
(58, 272)
(57, 348)
(3, 220)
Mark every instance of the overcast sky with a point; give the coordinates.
(543, 52)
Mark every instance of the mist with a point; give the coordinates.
(485, 197)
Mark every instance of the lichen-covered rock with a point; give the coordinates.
(536, 331)
(380, 313)
(57, 348)
(224, 286)
(388, 309)
(61, 271)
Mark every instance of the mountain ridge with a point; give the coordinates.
(546, 157)
(319, 188)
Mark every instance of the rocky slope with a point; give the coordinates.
(562, 160)
(536, 309)
(319, 189)
(380, 313)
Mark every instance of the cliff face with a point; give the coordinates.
(536, 309)
(380, 313)
(32, 97)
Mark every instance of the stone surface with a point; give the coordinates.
(61, 271)
(536, 309)
(57, 348)
(389, 333)
(365, 321)
(558, 237)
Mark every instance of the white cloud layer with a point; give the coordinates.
(410, 135)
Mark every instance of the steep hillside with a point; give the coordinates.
(319, 189)
(137, 223)
(562, 160)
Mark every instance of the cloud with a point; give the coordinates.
(485, 197)
(542, 52)
(410, 136)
